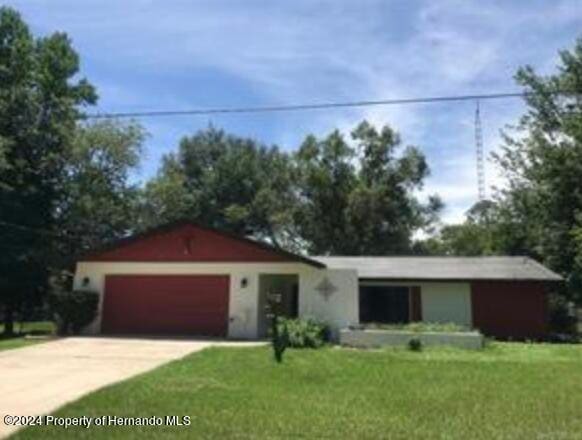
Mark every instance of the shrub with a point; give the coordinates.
(562, 315)
(73, 310)
(304, 333)
(280, 339)
(420, 327)
(415, 344)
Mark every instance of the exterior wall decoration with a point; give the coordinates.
(326, 288)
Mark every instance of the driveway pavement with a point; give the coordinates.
(38, 379)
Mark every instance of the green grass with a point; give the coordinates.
(23, 329)
(36, 327)
(506, 391)
(10, 343)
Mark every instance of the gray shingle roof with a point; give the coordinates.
(444, 268)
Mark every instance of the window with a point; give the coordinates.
(384, 304)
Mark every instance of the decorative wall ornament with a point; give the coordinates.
(188, 245)
(326, 288)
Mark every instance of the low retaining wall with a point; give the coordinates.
(385, 338)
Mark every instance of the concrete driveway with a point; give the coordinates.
(37, 380)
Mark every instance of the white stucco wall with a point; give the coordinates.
(339, 310)
(441, 302)
(243, 302)
(447, 302)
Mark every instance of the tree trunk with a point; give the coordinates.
(8, 320)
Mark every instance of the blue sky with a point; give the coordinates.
(179, 54)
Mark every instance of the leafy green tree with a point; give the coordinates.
(98, 203)
(327, 177)
(40, 100)
(228, 182)
(165, 197)
(466, 239)
(358, 198)
(540, 210)
(477, 235)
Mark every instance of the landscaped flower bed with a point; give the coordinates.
(428, 334)
(433, 327)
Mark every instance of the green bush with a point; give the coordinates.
(562, 319)
(280, 339)
(73, 310)
(303, 333)
(420, 327)
(415, 344)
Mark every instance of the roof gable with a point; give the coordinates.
(188, 242)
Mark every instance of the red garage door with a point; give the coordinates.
(170, 305)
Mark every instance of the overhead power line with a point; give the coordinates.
(302, 107)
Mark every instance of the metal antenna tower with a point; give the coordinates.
(479, 154)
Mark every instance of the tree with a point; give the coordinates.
(40, 100)
(540, 210)
(359, 199)
(477, 235)
(228, 182)
(97, 202)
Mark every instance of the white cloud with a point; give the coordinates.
(146, 54)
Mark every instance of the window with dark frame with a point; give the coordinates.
(384, 304)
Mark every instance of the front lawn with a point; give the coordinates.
(10, 343)
(32, 328)
(40, 328)
(505, 391)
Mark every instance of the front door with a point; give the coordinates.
(278, 294)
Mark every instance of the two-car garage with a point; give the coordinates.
(181, 279)
(171, 304)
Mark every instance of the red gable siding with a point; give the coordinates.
(186, 243)
(510, 309)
